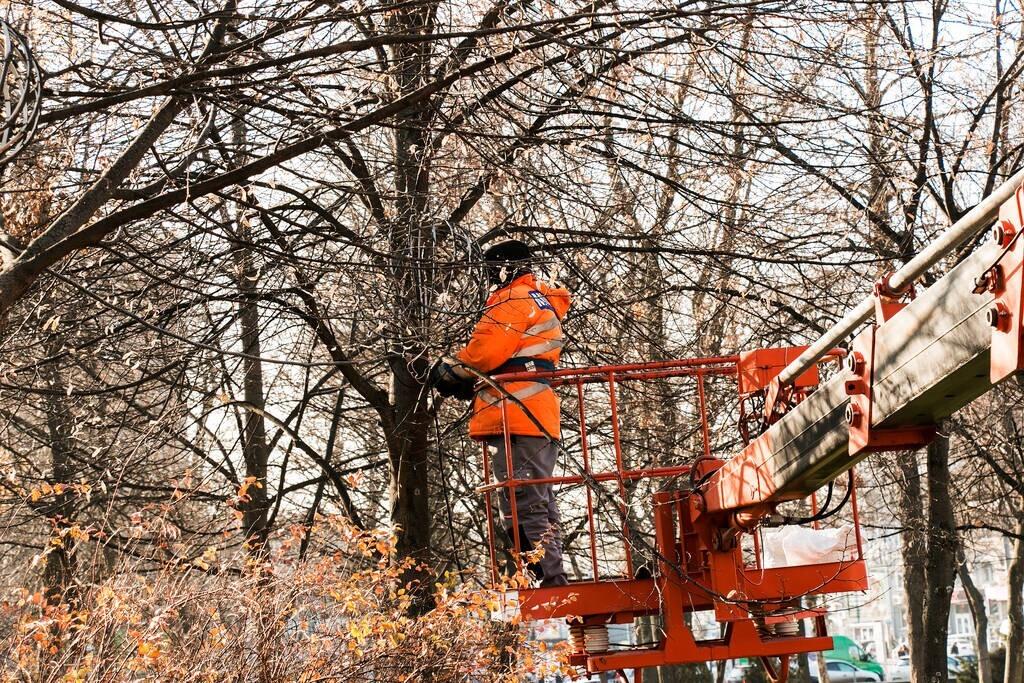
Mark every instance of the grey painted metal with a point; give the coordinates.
(972, 222)
(931, 359)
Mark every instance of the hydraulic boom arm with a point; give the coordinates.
(917, 364)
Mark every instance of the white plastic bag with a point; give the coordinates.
(793, 546)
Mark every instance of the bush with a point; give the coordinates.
(343, 616)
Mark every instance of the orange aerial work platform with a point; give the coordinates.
(687, 530)
(688, 565)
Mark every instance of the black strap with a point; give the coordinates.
(524, 364)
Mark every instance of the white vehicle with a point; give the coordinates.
(844, 672)
(899, 669)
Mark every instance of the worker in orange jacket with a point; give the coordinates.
(520, 331)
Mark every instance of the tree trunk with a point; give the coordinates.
(802, 674)
(1015, 609)
(408, 453)
(652, 421)
(255, 450)
(913, 549)
(822, 669)
(60, 568)
(647, 632)
(413, 247)
(976, 599)
(255, 503)
(941, 565)
(803, 668)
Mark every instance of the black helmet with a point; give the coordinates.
(506, 261)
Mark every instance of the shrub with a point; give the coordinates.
(343, 615)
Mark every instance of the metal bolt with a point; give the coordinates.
(1002, 232)
(996, 314)
(855, 363)
(853, 414)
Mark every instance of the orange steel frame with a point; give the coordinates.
(699, 560)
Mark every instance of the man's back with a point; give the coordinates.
(520, 331)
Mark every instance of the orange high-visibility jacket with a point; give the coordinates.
(522, 322)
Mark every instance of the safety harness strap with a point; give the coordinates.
(524, 364)
(524, 359)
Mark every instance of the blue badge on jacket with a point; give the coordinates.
(541, 301)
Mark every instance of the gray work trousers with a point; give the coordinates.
(533, 457)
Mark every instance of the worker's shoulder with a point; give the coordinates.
(528, 295)
(558, 298)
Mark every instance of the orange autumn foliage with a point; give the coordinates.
(344, 614)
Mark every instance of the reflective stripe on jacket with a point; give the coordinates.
(522, 321)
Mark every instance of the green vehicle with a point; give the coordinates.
(846, 650)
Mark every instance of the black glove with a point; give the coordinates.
(464, 390)
(448, 384)
(441, 373)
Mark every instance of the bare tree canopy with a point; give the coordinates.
(236, 235)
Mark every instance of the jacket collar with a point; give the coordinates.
(526, 279)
